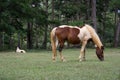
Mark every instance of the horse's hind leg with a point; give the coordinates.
(53, 45)
(61, 45)
(54, 53)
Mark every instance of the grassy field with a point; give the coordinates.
(37, 65)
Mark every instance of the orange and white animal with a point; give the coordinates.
(75, 35)
(18, 50)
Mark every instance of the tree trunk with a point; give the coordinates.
(115, 28)
(103, 28)
(44, 45)
(0, 40)
(94, 14)
(36, 36)
(117, 34)
(53, 16)
(37, 46)
(88, 9)
(29, 35)
(18, 40)
(3, 40)
(10, 42)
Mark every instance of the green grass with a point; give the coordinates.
(37, 65)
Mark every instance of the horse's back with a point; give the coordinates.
(62, 33)
(73, 36)
(67, 33)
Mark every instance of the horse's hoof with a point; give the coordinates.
(54, 60)
(63, 60)
(82, 60)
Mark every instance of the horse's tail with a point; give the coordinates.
(53, 42)
(94, 35)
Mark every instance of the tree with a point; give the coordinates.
(117, 36)
(29, 35)
(94, 20)
(115, 6)
(44, 44)
(30, 21)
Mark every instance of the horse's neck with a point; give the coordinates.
(96, 40)
(94, 36)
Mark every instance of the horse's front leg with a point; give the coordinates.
(82, 51)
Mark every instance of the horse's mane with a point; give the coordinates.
(94, 35)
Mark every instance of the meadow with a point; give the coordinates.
(38, 65)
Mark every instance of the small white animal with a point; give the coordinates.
(18, 50)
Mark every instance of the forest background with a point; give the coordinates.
(27, 23)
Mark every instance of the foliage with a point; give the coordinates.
(115, 4)
(76, 23)
(43, 15)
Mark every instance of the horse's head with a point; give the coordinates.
(99, 53)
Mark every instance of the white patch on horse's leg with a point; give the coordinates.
(82, 56)
(53, 44)
(82, 52)
(53, 58)
(62, 57)
(54, 55)
(56, 42)
(54, 52)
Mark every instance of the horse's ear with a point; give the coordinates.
(102, 47)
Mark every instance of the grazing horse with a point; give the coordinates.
(75, 35)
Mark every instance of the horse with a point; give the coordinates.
(18, 50)
(75, 35)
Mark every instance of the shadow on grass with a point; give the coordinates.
(72, 61)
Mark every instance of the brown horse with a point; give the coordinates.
(75, 35)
